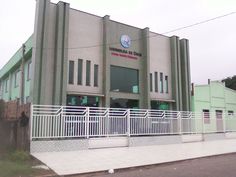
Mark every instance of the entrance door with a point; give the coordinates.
(219, 121)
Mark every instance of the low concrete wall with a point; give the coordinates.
(192, 138)
(58, 145)
(108, 142)
(154, 140)
(230, 135)
(213, 136)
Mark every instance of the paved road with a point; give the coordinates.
(216, 166)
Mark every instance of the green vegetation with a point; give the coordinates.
(230, 82)
(14, 164)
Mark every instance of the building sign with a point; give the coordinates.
(125, 41)
(125, 53)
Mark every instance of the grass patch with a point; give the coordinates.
(14, 168)
(15, 163)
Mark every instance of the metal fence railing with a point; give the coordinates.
(48, 121)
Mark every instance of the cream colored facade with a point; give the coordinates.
(63, 37)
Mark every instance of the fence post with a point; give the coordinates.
(224, 122)
(128, 122)
(180, 123)
(87, 122)
(107, 122)
(31, 121)
(203, 127)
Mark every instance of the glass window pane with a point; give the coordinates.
(160, 105)
(71, 72)
(80, 71)
(95, 75)
(166, 84)
(156, 82)
(124, 103)
(150, 82)
(161, 82)
(124, 80)
(81, 100)
(88, 68)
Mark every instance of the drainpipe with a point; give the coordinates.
(22, 75)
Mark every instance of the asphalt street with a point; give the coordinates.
(215, 166)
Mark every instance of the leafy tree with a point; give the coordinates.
(230, 82)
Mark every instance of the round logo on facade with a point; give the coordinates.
(125, 41)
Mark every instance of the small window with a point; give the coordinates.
(166, 84)
(71, 72)
(95, 76)
(219, 114)
(230, 113)
(80, 71)
(156, 81)
(29, 72)
(17, 78)
(206, 116)
(150, 82)
(88, 72)
(161, 82)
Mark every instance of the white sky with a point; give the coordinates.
(212, 45)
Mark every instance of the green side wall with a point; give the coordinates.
(214, 96)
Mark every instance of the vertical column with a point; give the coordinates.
(176, 72)
(39, 51)
(185, 77)
(145, 81)
(61, 54)
(106, 62)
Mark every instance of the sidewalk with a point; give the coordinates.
(83, 161)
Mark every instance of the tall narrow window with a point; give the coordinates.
(150, 82)
(166, 84)
(95, 76)
(29, 71)
(6, 85)
(80, 71)
(88, 68)
(71, 72)
(156, 82)
(161, 82)
(17, 78)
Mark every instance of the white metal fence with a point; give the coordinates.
(49, 121)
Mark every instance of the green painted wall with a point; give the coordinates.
(8, 73)
(214, 96)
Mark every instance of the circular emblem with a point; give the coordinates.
(125, 41)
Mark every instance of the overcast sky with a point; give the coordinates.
(212, 45)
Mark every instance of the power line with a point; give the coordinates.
(155, 35)
(198, 23)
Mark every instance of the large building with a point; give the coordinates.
(76, 58)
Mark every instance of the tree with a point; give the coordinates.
(230, 82)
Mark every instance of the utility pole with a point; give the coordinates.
(22, 75)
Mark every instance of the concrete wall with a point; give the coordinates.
(160, 61)
(85, 40)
